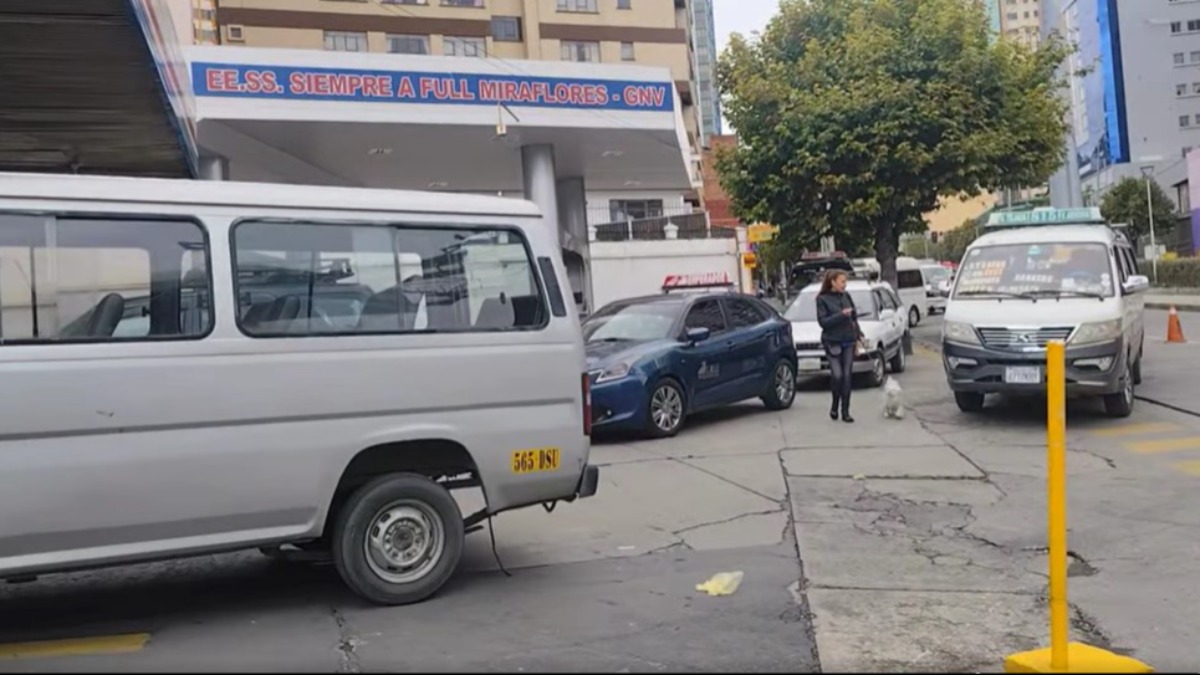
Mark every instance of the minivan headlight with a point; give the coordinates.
(1101, 331)
(953, 331)
(614, 372)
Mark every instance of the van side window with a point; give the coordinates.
(910, 279)
(1122, 263)
(65, 279)
(558, 304)
(303, 279)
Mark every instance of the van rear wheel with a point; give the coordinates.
(398, 539)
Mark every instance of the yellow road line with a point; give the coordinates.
(1191, 468)
(109, 644)
(1136, 429)
(1164, 445)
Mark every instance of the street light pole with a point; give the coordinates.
(1148, 173)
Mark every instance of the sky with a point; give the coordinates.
(741, 16)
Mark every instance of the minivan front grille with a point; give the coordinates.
(1019, 339)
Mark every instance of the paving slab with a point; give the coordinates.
(638, 508)
(878, 631)
(939, 461)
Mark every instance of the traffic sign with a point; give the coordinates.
(760, 232)
(750, 260)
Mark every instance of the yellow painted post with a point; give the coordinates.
(1056, 479)
(1062, 656)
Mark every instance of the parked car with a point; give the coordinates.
(655, 360)
(881, 317)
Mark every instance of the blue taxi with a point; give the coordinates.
(654, 360)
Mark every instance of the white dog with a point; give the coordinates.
(893, 404)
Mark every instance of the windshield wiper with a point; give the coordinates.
(995, 294)
(1078, 294)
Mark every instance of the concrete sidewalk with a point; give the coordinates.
(1182, 299)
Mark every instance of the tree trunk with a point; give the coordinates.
(886, 246)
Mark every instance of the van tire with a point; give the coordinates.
(914, 317)
(1120, 404)
(969, 401)
(669, 390)
(427, 507)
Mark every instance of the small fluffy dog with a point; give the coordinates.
(893, 403)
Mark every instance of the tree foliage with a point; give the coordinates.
(953, 245)
(1126, 203)
(855, 116)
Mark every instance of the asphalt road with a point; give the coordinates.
(912, 545)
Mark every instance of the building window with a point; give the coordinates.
(102, 279)
(1181, 90)
(464, 46)
(506, 28)
(408, 44)
(587, 52)
(577, 6)
(340, 41)
(624, 4)
(621, 210)
(1179, 58)
(1193, 25)
(404, 2)
(462, 3)
(1176, 27)
(627, 51)
(1195, 57)
(235, 34)
(382, 279)
(1185, 120)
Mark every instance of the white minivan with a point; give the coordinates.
(1019, 289)
(912, 289)
(196, 367)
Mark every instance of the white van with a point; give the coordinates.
(196, 367)
(1018, 289)
(912, 290)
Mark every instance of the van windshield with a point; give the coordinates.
(1036, 270)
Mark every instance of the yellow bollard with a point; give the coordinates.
(1063, 656)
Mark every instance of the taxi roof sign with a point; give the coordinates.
(679, 282)
(1046, 216)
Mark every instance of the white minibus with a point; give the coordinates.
(196, 367)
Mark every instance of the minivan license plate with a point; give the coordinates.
(1023, 375)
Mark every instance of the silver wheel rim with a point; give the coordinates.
(785, 383)
(877, 367)
(404, 541)
(913, 317)
(1128, 389)
(666, 408)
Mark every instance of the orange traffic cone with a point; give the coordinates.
(1174, 329)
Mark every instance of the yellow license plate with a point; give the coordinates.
(534, 461)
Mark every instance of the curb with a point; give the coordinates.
(1168, 305)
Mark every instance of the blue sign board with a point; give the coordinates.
(390, 86)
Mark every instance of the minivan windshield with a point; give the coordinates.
(1076, 269)
(804, 307)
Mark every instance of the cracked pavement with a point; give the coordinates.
(910, 545)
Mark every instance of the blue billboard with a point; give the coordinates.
(1098, 97)
(391, 86)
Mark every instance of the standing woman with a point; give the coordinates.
(839, 335)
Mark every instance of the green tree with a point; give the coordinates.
(854, 116)
(953, 244)
(1126, 203)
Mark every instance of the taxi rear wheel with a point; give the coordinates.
(665, 410)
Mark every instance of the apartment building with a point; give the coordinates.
(1020, 20)
(644, 32)
(704, 40)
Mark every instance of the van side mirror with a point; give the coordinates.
(1136, 283)
(697, 335)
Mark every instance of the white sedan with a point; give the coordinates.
(880, 317)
